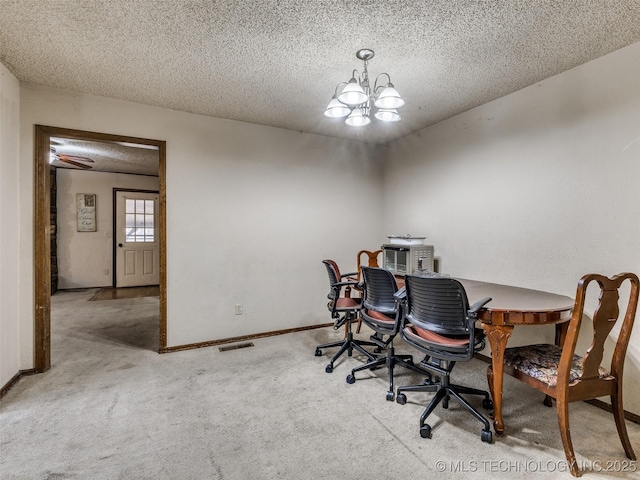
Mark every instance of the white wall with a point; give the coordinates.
(251, 212)
(534, 189)
(9, 224)
(83, 257)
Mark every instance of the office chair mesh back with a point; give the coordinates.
(380, 287)
(334, 278)
(437, 304)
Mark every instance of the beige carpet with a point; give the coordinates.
(112, 408)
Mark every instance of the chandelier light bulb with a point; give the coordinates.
(388, 115)
(335, 109)
(389, 98)
(353, 94)
(357, 118)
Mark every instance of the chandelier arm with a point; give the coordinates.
(375, 84)
(335, 93)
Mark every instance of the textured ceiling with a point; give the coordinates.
(105, 156)
(277, 62)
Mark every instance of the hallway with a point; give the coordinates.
(112, 326)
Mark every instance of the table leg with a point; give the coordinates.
(561, 333)
(498, 336)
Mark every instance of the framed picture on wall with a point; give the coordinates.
(86, 209)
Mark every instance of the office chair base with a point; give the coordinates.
(347, 345)
(443, 394)
(486, 435)
(390, 361)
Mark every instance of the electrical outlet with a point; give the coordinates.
(239, 309)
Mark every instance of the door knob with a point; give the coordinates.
(120, 245)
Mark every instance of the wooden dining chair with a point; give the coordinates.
(371, 257)
(561, 374)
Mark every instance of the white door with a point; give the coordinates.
(137, 256)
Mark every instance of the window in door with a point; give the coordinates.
(139, 220)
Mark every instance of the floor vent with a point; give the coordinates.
(235, 347)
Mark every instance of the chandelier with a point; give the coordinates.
(355, 99)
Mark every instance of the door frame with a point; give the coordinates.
(42, 234)
(115, 248)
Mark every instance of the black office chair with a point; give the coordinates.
(344, 310)
(381, 311)
(439, 322)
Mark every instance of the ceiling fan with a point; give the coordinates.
(69, 159)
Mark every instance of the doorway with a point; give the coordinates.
(42, 233)
(135, 256)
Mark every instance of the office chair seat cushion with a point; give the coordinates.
(541, 362)
(436, 338)
(344, 303)
(379, 317)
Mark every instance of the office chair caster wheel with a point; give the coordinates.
(351, 379)
(401, 399)
(390, 396)
(486, 436)
(487, 404)
(329, 369)
(377, 350)
(425, 431)
(318, 352)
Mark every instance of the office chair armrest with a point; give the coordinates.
(401, 301)
(473, 309)
(401, 294)
(343, 284)
(350, 274)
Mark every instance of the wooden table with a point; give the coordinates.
(511, 306)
